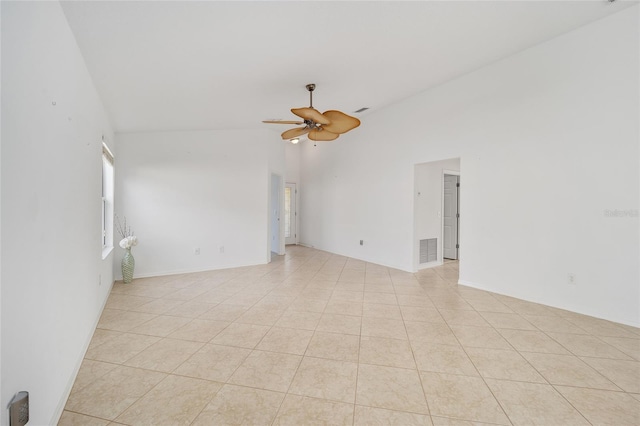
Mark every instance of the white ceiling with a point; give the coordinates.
(177, 65)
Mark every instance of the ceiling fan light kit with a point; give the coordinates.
(318, 126)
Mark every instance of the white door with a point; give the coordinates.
(290, 214)
(450, 217)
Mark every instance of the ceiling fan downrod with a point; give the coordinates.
(310, 87)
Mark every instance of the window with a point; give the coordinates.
(107, 200)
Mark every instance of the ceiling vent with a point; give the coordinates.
(362, 110)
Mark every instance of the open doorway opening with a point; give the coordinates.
(290, 214)
(276, 242)
(450, 215)
(430, 212)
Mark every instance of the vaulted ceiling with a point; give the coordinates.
(179, 65)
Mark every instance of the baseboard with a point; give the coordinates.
(194, 270)
(545, 303)
(60, 409)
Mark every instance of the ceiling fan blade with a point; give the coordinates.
(311, 114)
(282, 122)
(294, 133)
(340, 122)
(322, 135)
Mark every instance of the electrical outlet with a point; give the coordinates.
(361, 242)
(196, 251)
(99, 279)
(221, 249)
(571, 279)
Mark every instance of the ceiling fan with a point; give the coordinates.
(318, 126)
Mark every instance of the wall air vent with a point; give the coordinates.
(362, 109)
(428, 250)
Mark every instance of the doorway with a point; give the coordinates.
(451, 216)
(275, 202)
(290, 214)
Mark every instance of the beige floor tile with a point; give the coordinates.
(389, 352)
(531, 403)
(300, 320)
(286, 340)
(389, 387)
(126, 302)
(300, 410)
(411, 300)
(308, 305)
(430, 332)
(457, 303)
(90, 371)
(463, 317)
(376, 310)
(553, 324)
(215, 296)
(113, 319)
(383, 327)
(335, 323)
(260, 316)
(503, 364)
(199, 330)
(350, 296)
(341, 347)
(241, 335)
(365, 416)
(447, 421)
(508, 321)
(165, 355)
(568, 370)
(158, 306)
(243, 299)
(121, 348)
(532, 341)
(442, 358)
(267, 370)
(600, 327)
(161, 326)
(479, 337)
(239, 405)
(101, 336)
(224, 313)
(350, 275)
(461, 397)
(489, 305)
(74, 419)
(630, 347)
(326, 379)
(344, 307)
(379, 288)
(421, 314)
(191, 309)
(174, 401)
(380, 298)
(186, 294)
(584, 345)
(213, 362)
(625, 374)
(603, 407)
(114, 392)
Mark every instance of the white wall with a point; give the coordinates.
(206, 189)
(52, 127)
(427, 193)
(548, 140)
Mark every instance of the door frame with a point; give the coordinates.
(270, 214)
(295, 213)
(441, 248)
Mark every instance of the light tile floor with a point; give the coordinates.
(316, 338)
